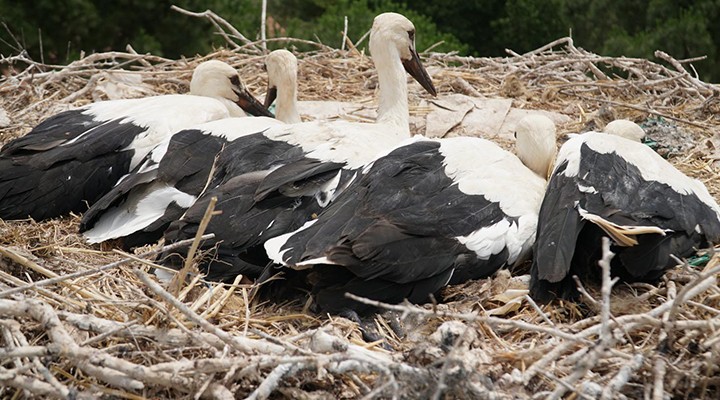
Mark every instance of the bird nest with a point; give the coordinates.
(87, 321)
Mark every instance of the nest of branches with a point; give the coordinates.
(87, 321)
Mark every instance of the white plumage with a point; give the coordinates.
(321, 157)
(73, 158)
(626, 129)
(651, 166)
(607, 185)
(429, 213)
(149, 198)
(282, 68)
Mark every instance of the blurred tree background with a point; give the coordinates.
(56, 31)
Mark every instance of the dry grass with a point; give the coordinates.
(110, 330)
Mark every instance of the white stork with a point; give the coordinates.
(607, 185)
(73, 158)
(300, 168)
(432, 212)
(141, 206)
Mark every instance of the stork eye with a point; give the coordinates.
(235, 80)
(411, 35)
(515, 135)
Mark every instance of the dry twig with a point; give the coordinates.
(74, 324)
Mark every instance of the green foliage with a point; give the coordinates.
(323, 20)
(685, 35)
(529, 24)
(69, 26)
(686, 28)
(469, 21)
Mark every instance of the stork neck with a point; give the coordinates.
(392, 83)
(234, 110)
(286, 110)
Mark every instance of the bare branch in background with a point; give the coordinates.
(82, 321)
(263, 27)
(220, 24)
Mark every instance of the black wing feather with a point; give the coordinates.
(389, 225)
(616, 190)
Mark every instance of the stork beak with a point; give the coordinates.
(414, 67)
(250, 104)
(270, 96)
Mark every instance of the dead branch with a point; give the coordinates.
(241, 344)
(123, 333)
(98, 270)
(220, 24)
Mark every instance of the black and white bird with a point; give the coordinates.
(606, 185)
(73, 158)
(432, 212)
(142, 205)
(300, 168)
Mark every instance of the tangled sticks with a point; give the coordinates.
(79, 321)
